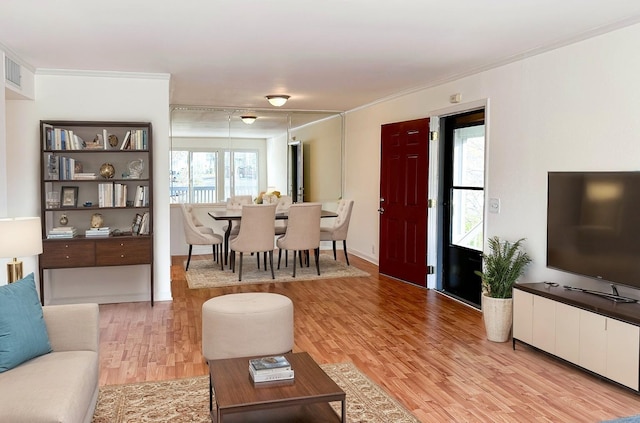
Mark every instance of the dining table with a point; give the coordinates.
(231, 215)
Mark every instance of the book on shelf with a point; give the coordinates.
(62, 232)
(103, 231)
(144, 224)
(269, 364)
(85, 175)
(271, 377)
(126, 143)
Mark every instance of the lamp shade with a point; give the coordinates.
(277, 99)
(20, 237)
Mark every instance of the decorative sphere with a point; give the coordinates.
(107, 170)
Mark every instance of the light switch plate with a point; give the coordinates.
(494, 205)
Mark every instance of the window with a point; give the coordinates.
(200, 177)
(467, 188)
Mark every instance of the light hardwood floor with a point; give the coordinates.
(425, 349)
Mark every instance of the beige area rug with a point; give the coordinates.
(187, 400)
(207, 274)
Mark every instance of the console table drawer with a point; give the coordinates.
(63, 254)
(118, 252)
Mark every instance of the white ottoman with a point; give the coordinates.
(247, 324)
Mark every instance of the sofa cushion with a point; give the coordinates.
(55, 387)
(23, 333)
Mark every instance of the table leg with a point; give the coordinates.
(226, 242)
(344, 410)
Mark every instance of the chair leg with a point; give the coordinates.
(273, 276)
(334, 250)
(317, 255)
(240, 269)
(232, 261)
(188, 259)
(279, 257)
(294, 263)
(344, 246)
(265, 259)
(258, 258)
(219, 254)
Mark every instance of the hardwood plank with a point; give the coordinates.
(427, 350)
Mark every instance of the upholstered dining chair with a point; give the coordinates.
(257, 230)
(338, 232)
(303, 232)
(197, 234)
(282, 206)
(235, 203)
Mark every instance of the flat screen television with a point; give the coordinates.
(593, 225)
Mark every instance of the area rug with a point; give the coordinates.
(187, 400)
(632, 419)
(207, 274)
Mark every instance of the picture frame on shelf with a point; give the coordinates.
(69, 196)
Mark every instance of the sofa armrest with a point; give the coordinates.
(72, 327)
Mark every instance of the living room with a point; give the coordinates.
(570, 108)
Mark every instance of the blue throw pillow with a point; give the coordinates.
(23, 333)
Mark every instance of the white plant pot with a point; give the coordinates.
(497, 314)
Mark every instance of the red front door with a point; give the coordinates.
(403, 200)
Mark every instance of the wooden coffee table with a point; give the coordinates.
(304, 399)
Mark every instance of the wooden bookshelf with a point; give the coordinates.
(96, 171)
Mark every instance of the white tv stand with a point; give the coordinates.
(589, 331)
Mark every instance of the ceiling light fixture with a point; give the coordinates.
(248, 119)
(278, 99)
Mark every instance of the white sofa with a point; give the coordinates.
(61, 386)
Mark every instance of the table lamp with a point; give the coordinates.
(19, 237)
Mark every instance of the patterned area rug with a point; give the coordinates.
(207, 274)
(186, 400)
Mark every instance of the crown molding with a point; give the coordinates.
(102, 74)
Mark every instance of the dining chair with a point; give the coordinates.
(282, 206)
(338, 232)
(197, 234)
(236, 202)
(303, 232)
(257, 230)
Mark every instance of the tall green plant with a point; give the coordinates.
(503, 266)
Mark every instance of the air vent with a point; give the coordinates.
(12, 71)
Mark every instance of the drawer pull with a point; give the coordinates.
(66, 257)
(121, 255)
(122, 244)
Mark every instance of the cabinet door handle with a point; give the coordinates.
(121, 255)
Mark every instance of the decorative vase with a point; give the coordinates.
(497, 314)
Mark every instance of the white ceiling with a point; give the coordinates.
(328, 55)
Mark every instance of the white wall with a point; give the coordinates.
(114, 97)
(574, 108)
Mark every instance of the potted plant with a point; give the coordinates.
(502, 267)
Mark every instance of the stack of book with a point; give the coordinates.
(270, 369)
(62, 232)
(104, 231)
(84, 175)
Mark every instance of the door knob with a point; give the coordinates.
(381, 210)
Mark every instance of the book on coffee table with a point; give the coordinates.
(271, 364)
(271, 376)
